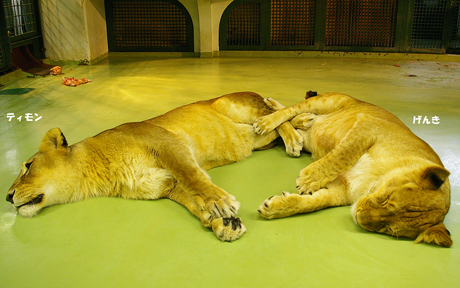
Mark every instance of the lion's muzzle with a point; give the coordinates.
(9, 197)
(36, 200)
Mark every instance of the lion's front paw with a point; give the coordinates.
(294, 144)
(311, 180)
(279, 206)
(306, 186)
(264, 124)
(303, 121)
(206, 218)
(225, 207)
(228, 229)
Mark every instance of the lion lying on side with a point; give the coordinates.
(164, 157)
(367, 157)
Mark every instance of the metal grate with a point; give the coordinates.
(243, 26)
(149, 24)
(19, 16)
(292, 23)
(369, 23)
(428, 23)
(342, 25)
(456, 27)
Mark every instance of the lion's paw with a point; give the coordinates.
(206, 218)
(311, 180)
(305, 186)
(225, 207)
(264, 124)
(303, 121)
(272, 103)
(294, 144)
(228, 229)
(279, 206)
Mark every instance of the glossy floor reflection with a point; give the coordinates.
(109, 242)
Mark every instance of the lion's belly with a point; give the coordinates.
(219, 144)
(213, 138)
(144, 183)
(229, 145)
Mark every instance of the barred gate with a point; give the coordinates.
(5, 60)
(146, 26)
(341, 25)
(19, 26)
(361, 23)
(244, 25)
(292, 23)
(454, 45)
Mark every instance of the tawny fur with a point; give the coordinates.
(365, 157)
(164, 157)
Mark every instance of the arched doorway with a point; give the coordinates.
(148, 26)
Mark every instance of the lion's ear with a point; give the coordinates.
(437, 234)
(53, 140)
(433, 177)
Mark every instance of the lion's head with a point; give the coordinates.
(37, 184)
(410, 204)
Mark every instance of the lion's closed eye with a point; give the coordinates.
(385, 202)
(27, 167)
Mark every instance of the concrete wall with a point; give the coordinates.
(76, 29)
(94, 12)
(64, 30)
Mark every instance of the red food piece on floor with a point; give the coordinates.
(74, 81)
(56, 70)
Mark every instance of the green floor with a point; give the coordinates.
(109, 242)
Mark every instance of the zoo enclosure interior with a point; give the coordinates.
(203, 28)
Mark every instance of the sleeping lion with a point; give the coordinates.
(365, 157)
(164, 157)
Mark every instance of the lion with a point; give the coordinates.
(164, 157)
(366, 157)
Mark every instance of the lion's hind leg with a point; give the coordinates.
(226, 229)
(302, 121)
(247, 107)
(326, 103)
(291, 138)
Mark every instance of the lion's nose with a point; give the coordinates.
(9, 197)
